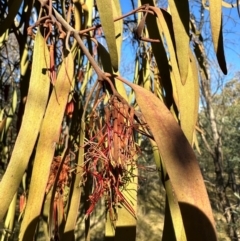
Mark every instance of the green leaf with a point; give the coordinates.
(34, 110)
(109, 29)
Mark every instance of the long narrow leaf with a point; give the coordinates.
(173, 223)
(109, 29)
(190, 104)
(181, 165)
(215, 8)
(34, 110)
(49, 135)
(180, 19)
(77, 190)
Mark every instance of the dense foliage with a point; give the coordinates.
(69, 127)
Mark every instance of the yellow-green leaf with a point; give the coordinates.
(215, 8)
(34, 110)
(49, 136)
(106, 63)
(9, 220)
(118, 27)
(88, 10)
(77, 189)
(165, 30)
(109, 29)
(185, 96)
(189, 104)
(118, 35)
(4, 37)
(180, 18)
(160, 55)
(199, 51)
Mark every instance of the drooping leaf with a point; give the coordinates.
(199, 52)
(131, 96)
(181, 165)
(88, 10)
(9, 220)
(147, 83)
(109, 29)
(118, 27)
(180, 18)
(189, 105)
(215, 8)
(34, 110)
(2, 122)
(173, 224)
(195, 142)
(119, 37)
(49, 136)
(161, 57)
(186, 96)
(165, 28)
(105, 58)
(77, 189)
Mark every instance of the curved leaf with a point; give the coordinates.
(215, 8)
(49, 135)
(180, 18)
(173, 223)
(33, 114)
(186, 96)
(166, 30)
(181, 165)
(161, 57)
